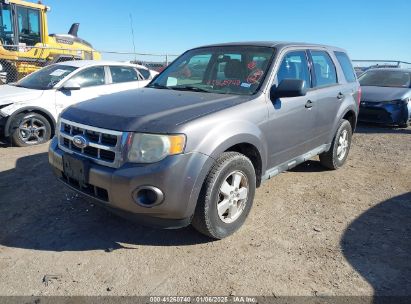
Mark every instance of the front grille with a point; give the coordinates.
(104, 146)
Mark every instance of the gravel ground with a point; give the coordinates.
(310, 232)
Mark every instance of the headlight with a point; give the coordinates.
(151, 148)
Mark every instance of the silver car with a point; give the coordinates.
(193, 146)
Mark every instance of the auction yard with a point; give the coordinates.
(310, 232)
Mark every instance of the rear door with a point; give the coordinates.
(291, 119)
(92, 83)
(123, 78)
(329, 93)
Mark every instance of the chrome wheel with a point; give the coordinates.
(232, 197)
(32, 131)
(342, 147)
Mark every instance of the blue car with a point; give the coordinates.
(386, 96)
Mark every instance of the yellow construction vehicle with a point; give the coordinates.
(25, 43)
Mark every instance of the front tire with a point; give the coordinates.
(226, 197)
(340, 147)
(29, 129)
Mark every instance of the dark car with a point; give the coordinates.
(386, 96)
(193, 147)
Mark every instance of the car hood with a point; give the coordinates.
(12, 94)
(149, 110)
(379, 94)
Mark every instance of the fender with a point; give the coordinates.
(219, 140)
(39, 110)
(232, 133)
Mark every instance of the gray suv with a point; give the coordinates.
(195, 144)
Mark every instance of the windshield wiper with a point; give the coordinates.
(191, 88)
(158, 86)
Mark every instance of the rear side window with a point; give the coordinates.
(145, 73)
(294, 66)
(324, 69)
(346, 66)
(121, 74)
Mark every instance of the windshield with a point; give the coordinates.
(225, 70)
(46, 78)
(384, 78)
(6, 26)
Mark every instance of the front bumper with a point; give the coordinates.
(179, 177)
(389, 114)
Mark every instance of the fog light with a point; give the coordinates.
(148, 196)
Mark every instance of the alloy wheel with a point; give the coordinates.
(32, 131)
(232, 197)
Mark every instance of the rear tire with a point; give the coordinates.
(340, 147)
(29, 129)
(226, 197)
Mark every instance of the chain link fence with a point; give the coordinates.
(18, 61)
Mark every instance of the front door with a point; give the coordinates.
(92, 83)
(291, 119)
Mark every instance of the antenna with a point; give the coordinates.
(132, 37)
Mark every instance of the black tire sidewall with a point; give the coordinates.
(219, 228)
(344, 125)
(15, 137)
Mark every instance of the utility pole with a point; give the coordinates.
(132, 37)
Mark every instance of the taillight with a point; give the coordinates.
(359, 95)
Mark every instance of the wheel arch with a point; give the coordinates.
(348, 113)
(251, 152)
(43, 112)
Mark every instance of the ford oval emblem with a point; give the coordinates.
(80, 141)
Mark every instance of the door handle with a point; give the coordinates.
(340, 96)
(309, 104)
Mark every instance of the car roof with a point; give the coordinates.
(89, 63)
(274, 44)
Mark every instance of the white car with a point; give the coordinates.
(29, 108)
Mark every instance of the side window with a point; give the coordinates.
(294, 66)
(324, 69)
(346, 66)
(120, 74)
(6, 27)
(28, 21)
(145, 73)
(90, 77)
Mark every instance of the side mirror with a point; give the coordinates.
(288, 88)
(71, 85)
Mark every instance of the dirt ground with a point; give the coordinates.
(310, 232)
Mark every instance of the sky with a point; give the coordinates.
(378, 29)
